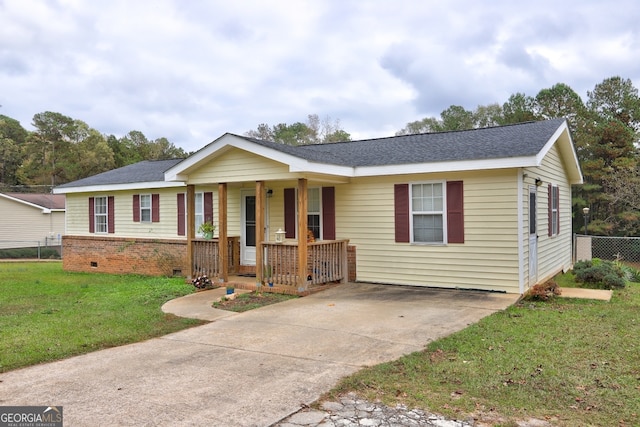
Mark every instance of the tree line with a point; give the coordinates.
(62, 149)
(604, 127)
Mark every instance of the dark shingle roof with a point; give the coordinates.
(144, 171)
(524, 139)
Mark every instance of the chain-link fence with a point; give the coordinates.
(626, 249)
(31, 249)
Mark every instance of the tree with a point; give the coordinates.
(519, 108)
(12, 138)
(616, 99)
(560, 101)
(315, 131)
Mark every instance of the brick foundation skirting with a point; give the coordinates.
(151, 257)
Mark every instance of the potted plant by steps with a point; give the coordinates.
(207, 229)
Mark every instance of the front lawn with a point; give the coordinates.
(568, 362)
(48, 314)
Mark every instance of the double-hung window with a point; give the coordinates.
(100, 214)
(145, 207)
(428, 212)
(199, 212)
(314, 214)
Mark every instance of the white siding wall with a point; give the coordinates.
(22, 225)
(487, 260)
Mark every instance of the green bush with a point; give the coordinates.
(29, 253)
(599, 274)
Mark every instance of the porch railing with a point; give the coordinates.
(326, 263)
(206, 256)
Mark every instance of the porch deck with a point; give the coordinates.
(326, 265)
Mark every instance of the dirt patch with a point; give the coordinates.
(250, 301)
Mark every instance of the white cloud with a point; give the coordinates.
(192, 70)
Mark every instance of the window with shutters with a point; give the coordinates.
(555, 205)
(427, 212)
(100, 214)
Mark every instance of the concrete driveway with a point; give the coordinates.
(249, 369)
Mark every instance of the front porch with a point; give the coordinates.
(326, 264)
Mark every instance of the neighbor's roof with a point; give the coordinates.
(146, 171)
(46, 202)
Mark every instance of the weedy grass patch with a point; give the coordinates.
(48, 314)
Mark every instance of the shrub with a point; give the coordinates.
(599, 274)
(543, 291)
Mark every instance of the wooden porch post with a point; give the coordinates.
(260, 204)
(223, 241)
(191, 227)
(302, 232)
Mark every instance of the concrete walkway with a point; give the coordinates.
(248, 369)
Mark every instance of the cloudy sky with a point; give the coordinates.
(191, 70)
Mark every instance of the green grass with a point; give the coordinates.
(47, 314)
(571, 362)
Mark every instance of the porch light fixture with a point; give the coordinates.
(538, 182)
(280, 235)
(269, 192)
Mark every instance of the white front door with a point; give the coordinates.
(533, 236)
(248, 232)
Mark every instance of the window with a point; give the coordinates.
(100, 215)
(199, 212)
(145, 207)
(427, 213)
(554, 210)
(313, 211)
(321, 212)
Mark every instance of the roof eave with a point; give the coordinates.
(562, 136)
(118, 187)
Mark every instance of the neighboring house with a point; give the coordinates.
(478, 209)
(31, 220)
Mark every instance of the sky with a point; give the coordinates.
(192, 70)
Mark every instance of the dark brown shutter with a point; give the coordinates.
(455, 212)
(401, 211)
(550, 209)
(208, 206)
(182, 229)
(111, 214)
(92, 218)
(136, 208)
(155, 208)
(290, 213)
(328, 213)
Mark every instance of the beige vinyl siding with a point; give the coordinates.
(26, 226)
(167, 228)
(554, 253)
(487, 260)
(239, 166)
